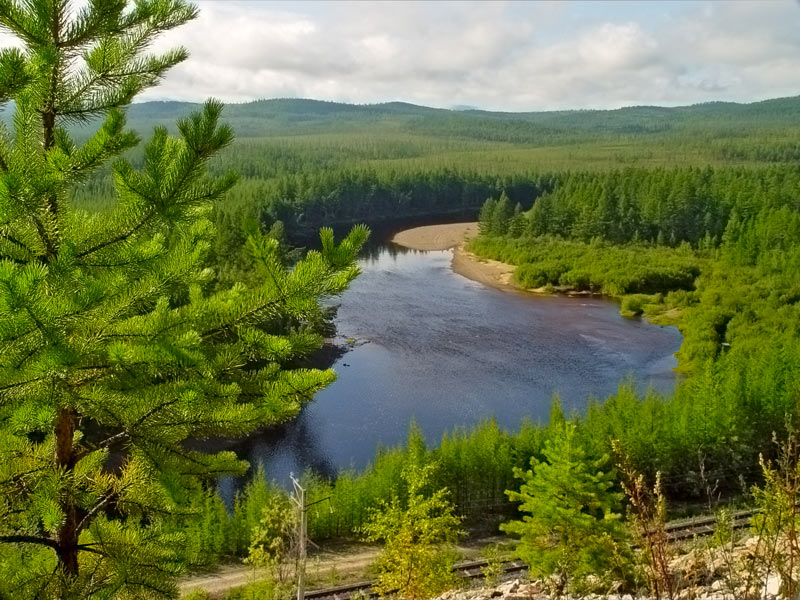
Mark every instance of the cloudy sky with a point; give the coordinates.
(494, 55)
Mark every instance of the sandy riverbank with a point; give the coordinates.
(436, 237)
(444, 237)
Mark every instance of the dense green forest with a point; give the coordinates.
(305, 164)
(310, 163)
(688, 215)
(715, 251)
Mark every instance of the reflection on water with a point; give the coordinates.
(440, 349)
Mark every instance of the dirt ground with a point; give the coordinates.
(338, 564)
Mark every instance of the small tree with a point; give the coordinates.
(486, 216)
(571, 528)
(272, 542)
(517, 224)
(501, 215)
(418, 555)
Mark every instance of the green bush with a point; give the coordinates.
(633, 305)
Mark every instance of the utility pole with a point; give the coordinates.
(299, 499)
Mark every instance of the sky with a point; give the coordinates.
(514, 56)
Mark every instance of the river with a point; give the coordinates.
(434, 347)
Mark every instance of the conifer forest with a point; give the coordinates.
(166, 275)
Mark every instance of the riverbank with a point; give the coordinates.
(493, 273)
(454, 236)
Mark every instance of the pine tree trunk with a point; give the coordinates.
(64, 457)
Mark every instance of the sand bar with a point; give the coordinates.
(436, 237)
(454, 235)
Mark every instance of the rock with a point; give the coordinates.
(773, 585)
(509, 588)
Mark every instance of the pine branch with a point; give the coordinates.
(17, 242)
(50, 249)
(100, 506)
(29, 539)
(12, 19)
(117, 239)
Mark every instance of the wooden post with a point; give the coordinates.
(302, 510)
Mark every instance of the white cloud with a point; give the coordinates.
(499, 55)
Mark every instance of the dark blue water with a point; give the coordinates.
(435, 347)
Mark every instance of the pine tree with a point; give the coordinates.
(486, 216)
(571, 528)
(116, 345)
(501, 215)
(518, 223)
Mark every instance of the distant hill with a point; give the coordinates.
(291, 116)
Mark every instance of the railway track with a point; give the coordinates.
(676, 531)
(466, 570)
(690, 528)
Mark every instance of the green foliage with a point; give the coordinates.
(493, 570)
(777, 525)
(417, 558)
(486, 216)
(116, 343)
(715, 251)
(267, 589)
(271, 539)
(259, 494)
(203, 524)
(597, 267)
(571, 528)
(634, 305)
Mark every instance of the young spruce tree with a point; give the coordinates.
(571, 528)
(114, 350)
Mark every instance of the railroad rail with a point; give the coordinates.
(686, 529)
(466, 570)
(683, 529)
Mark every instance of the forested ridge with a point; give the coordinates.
(309, 163)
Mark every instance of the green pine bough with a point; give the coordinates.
(117, 342)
